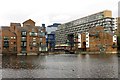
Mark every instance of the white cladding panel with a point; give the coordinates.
(87, 40)
(79, 40)
(115, 38)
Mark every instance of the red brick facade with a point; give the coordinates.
(99, 40)
(23, 39)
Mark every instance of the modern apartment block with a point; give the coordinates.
(28, 38)
(84, 26)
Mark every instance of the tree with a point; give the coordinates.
(118, 42)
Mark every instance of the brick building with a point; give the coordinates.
(118, 32)
(97, 40)
(118, 25)
(0, 41)
(28, 38)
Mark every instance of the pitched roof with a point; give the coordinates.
(29, 20)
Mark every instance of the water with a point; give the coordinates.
(60, 66)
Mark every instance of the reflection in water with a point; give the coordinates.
(60, 66)
(19, 62)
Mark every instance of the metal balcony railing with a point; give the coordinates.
(6, 39)
(6, 45)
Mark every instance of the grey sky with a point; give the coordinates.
(50, 11)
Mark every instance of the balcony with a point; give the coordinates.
(33, 34)
(23, 49)
(6, 39)
(42, 34)
(6, 45)
(34, 44)
(23, 39)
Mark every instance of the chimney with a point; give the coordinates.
(43, 25)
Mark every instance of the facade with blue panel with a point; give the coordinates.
(50, 39)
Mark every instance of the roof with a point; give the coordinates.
(5, 27)
(15, 24)
(54, 25)
(29, 20)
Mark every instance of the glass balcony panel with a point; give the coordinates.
(23, 39)
(33, 34)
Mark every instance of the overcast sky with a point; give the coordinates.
(52, 11)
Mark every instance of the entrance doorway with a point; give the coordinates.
(84, 46)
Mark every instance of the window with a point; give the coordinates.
(34, 44)
(34, 39)
(40, 39)
(31, 48)
(6, 38)
(14, 42)
(11, 37)
(23, 38)
(24, 33)
(14, 37)
(33, 34)
(42, 34)
(23, 44)
(11, 42)
(6, 44)
(33, 30)
(39, 29)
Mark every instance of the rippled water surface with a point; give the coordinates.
(60, 66)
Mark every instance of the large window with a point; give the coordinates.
(23, 44)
